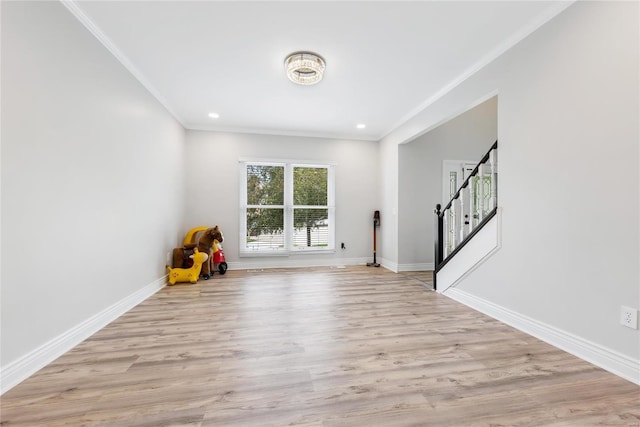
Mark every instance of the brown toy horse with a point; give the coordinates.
(201, 238)
(205, 244)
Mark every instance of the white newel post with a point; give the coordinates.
(453, 225)
(480, 192)
(445, 234)
(471, 196)
(492, 163)
(461, 214)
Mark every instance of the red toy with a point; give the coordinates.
(219, 262)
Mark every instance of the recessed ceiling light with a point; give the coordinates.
(214, 115)
(361, 126)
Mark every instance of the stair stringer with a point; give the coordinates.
(479, 249)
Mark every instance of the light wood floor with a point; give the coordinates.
(318, 347)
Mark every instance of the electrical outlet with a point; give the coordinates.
(629, 317)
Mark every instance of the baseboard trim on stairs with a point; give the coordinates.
(19, 370)
(423, 266)
(603, 357)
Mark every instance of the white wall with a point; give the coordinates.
(213, 190)
(388, 193)
(92, 179)
(569, 187)
(467, 137)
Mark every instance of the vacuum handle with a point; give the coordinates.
(376, 218)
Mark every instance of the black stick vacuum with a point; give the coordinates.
(376, 223)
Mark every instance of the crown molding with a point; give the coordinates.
(518, 36)
(500, 49)
(282, 133)
(79, 14)
(85, 20)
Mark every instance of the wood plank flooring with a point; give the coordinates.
(355, 346)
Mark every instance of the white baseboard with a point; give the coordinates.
(282, 262)
(603, 357)
(423, 266)
(19, 370)
(389, 265)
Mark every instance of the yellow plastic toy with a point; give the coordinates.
(188, 274)
(190, 237)
(203, 238)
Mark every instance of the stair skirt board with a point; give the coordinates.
(480, 248)
(424, 266)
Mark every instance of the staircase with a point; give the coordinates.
(471, 212)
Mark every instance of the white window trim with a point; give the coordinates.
(288, 207)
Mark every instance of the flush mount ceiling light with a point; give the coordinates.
(304, 68)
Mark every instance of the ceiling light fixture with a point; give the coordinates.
(304, 68)
(361, 126)
(214, 115)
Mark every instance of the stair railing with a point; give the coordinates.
(473, 205)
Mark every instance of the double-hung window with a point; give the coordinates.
(286, 207)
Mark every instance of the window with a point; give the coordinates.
(286, 207)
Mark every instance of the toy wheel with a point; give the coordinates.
(222, 268)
